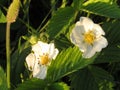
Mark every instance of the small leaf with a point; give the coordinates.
(59, 86)
(32, 84)
(68, 61)
(2, 17)
(3, 83)
(102, 8)
(60, 21)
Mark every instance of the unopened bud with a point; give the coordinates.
(13, 11)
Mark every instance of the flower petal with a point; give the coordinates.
(40, 48)
(30, 60)
(87, 22)
(40, 72)
(36, 49)
(89, 52)
(98, 30)
(77, 35)
(100, 43)
(44, 47)
(55, 53)
(51, 50)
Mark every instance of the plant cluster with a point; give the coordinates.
(76, 46)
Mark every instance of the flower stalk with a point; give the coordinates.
(12, 14)
(8, 53)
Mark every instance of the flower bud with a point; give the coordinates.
(13, 10)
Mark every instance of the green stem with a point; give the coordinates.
(8, 53)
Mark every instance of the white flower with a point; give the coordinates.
(40, 58)
(88, 36)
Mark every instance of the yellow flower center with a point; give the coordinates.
(44, 59)
(89, 37)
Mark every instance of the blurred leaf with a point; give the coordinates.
(104, 80)
(3, 2)
(2, 17)
(59, 86)
(17, 63)
(102, 8)
(32, 84)
(110, 54)
(77, 4)
(60, 21)
(3, 83)
(62, 42)
(68, 61)
(92, 78)
(2, 32)
(112, 31)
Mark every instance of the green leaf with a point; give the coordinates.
(18, 65)
(92, 78)
(104, 80)
(3, 83)
(77, 4)
(101, 8)
(2, 17)
(59, 86)
(60, 21)
(83, 80)
(32, 84)
(112, 29)
(110, 54)
(62, 42)
(68, 61)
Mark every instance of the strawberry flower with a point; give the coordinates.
(41, 57)
(88, 36)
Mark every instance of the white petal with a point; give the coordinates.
(89, 52)
(30, 60)
(36, 49)
(77, 35)
(51, 50)
(40, 48)
(82, 47)
(87, 22)
(55, 53)
(98, 30)
(100, 43)
(40, 72)
(44, 47)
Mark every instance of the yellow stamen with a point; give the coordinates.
(89, 37)
(44, 59)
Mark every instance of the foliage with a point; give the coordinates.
(3, 83)
(96, 73)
